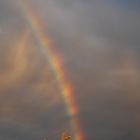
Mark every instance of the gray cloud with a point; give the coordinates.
(99, 44)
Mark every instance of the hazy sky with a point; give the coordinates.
(99, 43)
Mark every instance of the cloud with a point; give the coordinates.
(99, 44)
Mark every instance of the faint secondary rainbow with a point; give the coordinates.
(55, 63)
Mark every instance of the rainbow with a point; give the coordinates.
(55, 63)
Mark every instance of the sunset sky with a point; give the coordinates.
(70, 65)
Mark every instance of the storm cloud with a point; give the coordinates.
(99, 44)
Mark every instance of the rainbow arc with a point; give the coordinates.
(66, 89)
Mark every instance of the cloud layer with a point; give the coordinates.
(99, 43)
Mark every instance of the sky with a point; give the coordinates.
(98, 42)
